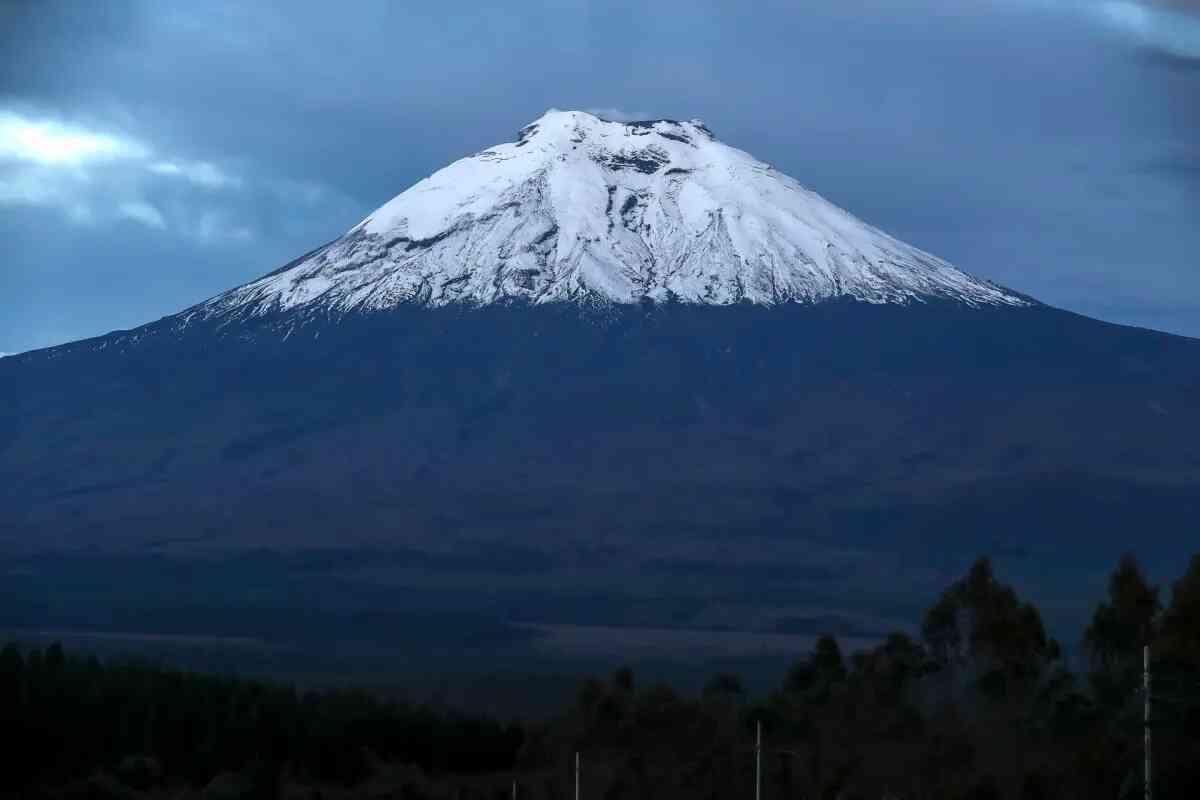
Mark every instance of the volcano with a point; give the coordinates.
(622, 350)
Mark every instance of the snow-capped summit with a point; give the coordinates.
(584, 209)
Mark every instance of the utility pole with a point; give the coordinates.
(758, 763)
(514, 797)
(576, 775)
(1148, 779)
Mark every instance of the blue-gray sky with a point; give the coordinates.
(155, 153)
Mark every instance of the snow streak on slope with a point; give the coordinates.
(587, 210)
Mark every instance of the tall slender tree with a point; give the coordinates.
(1126, 623)
(980, 619)
(1181, 621)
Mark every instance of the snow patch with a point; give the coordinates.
(584, 209)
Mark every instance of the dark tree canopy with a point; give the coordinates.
(1123, 625)
(886, 721)
(820, 669)
(724, 685)
(1181, 621)
(980, 619)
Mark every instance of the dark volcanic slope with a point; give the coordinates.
(643, 434)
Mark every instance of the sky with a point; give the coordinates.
(155, 153)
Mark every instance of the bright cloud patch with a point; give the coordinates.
(213, 227)
(48, 142)
(95, 177)
(200, 173)
(144, 213)
(24, 187)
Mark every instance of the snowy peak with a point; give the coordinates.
(582, 209)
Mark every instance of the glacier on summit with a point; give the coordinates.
(587, 210)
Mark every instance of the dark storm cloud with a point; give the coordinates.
(45, 45)
(1033, 143)
(1184, 5)
(1173, 64)
(1182, 166)
(1168, 27)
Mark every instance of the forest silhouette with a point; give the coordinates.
(980, 705)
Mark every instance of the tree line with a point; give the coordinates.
(979, 705)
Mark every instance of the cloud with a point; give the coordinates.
(1186, 5)
(26, 187)
(52, 143)
(201, 173)
(144, 213)
(96, 177)
(214, 227)
(1168, 27)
